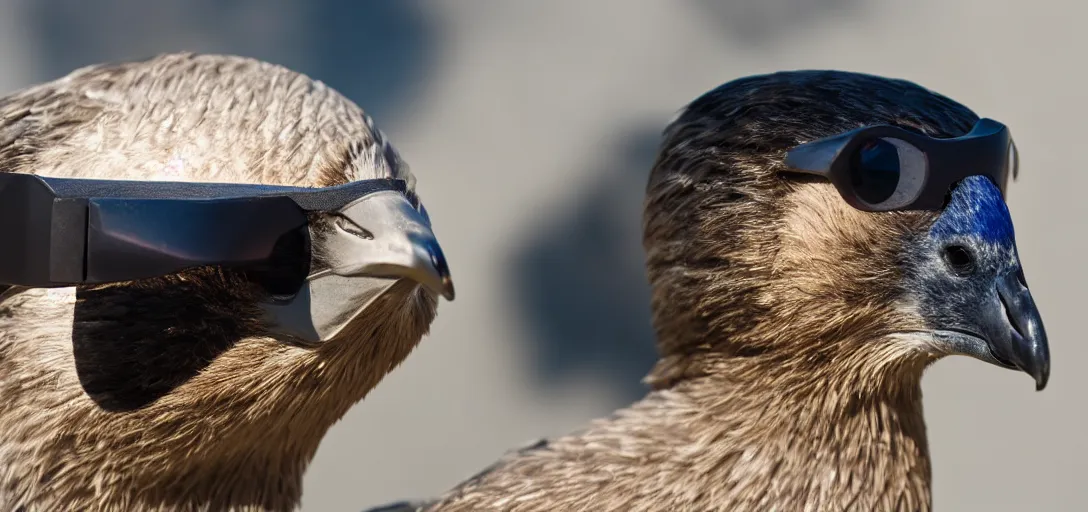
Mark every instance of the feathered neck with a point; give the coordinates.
(238, 435)
(731, 440)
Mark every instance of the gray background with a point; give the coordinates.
(532, 125)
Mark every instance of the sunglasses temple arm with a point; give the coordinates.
(813, 158)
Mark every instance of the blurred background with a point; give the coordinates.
(532, 126)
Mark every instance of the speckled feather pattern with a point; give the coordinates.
(232, 414)
(188, 117)
(790, 365)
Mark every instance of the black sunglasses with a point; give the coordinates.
(62, 232)
(321, 254)
(884, 168)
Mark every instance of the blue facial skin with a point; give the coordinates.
(978, 211)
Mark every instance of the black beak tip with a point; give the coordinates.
(1033, 360)
(438, 262)
(447, 288)
(1042, 373)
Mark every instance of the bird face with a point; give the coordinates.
(970, 287)
(922, 283)
(963, 275)
(779, 270)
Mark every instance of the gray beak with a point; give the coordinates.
(996, 322)
(359, 253)
(384, 236)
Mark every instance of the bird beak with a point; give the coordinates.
(975, 296)
(364, 249)
(383, 236)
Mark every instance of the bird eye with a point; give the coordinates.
(959, 259)
(887, 171)
(346, 225)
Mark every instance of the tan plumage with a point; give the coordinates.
(790, 355)
(167, 394)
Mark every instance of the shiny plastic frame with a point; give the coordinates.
(929, 166)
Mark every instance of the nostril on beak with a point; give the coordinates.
(1020, 277)
(1016, 327)
(959, 259)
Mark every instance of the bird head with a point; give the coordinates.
(200, 385)
(750, 260)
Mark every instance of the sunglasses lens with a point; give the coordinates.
(875, 171)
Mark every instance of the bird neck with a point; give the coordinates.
(818, 444)
(237, 435)
(729, 441)
(233, 451)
